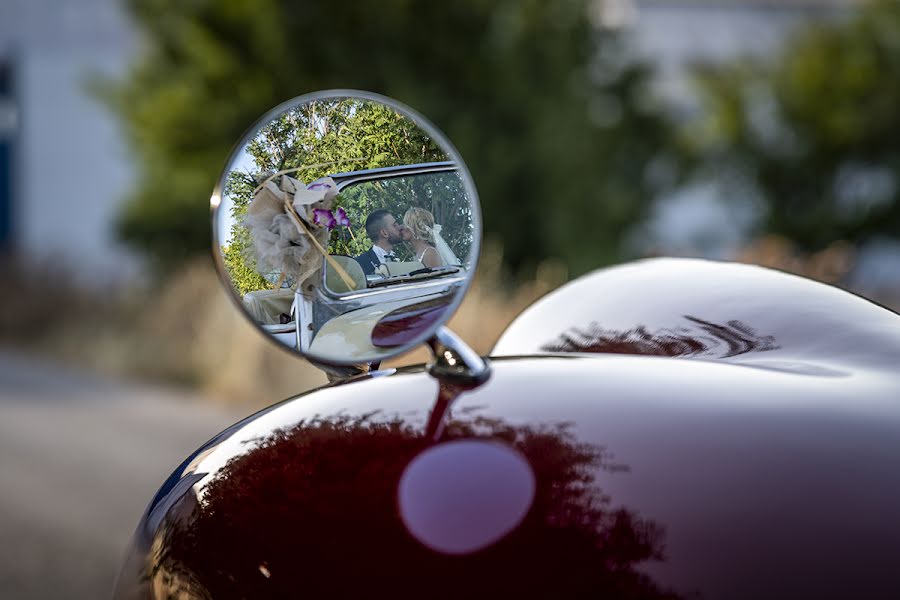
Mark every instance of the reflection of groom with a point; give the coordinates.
(384, 231)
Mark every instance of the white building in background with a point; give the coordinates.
(64, 167)
(69, 166)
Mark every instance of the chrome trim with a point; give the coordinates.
(343, 180)
(304, 314)
(321, 308)
(454, 361)
(389, 291)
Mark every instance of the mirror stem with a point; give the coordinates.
(455, 362)
(336, 373)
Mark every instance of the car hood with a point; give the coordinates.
(707, 310)
(650, 477)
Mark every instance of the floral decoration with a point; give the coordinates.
(290, 223)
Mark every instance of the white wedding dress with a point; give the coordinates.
(443, 249)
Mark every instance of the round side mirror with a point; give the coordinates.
(346, 227)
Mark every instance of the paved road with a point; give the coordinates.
(79, 459)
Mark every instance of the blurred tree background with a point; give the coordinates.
(573, 144)
(813, 136)
(558, 128)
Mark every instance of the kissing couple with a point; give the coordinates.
(418, 229)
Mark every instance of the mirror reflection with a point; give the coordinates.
(347, 226)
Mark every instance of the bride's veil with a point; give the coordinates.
(443, 249)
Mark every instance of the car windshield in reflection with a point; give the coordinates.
(417, 275)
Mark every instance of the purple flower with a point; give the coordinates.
(342, 218)
(324, 217)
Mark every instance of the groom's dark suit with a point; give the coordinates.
(368, 260)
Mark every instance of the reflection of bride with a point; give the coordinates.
(427, 244)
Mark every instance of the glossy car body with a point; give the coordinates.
(679, 429)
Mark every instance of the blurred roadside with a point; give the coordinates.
(81, 457)
(190, 334)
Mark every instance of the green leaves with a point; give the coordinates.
(815, 129)
(327, 137)
(511, 82)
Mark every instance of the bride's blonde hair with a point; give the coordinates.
(421, 222)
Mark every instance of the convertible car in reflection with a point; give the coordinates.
(661, 429)
(391, 307)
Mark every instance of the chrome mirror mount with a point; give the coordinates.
(455, 362)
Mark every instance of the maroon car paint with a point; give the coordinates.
(746, 444)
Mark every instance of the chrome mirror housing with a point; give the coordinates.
(346, 228)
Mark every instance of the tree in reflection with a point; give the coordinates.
(313, 510)
(697, 338)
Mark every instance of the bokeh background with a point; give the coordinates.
(597, 131)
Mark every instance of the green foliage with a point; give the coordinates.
(813, 133)
(556, 129)
(235, 252)
(244, 276)
(325, 137)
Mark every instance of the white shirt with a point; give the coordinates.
(381, 253)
